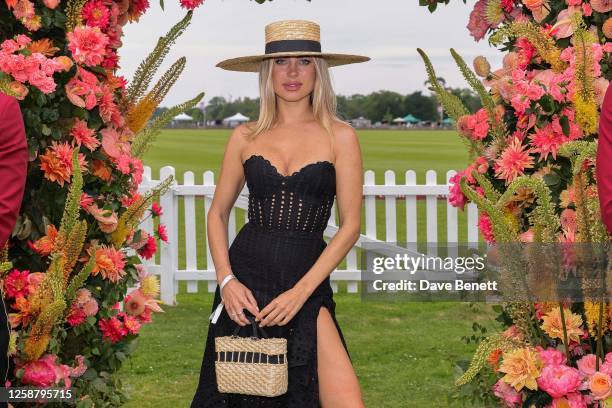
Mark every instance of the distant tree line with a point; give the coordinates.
(381, 106)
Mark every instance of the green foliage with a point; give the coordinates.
(432, 5)
(148, 134)
(147, 68)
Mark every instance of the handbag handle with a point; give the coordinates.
(254, 326)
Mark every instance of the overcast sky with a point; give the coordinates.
(388, 31)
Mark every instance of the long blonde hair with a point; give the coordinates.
(322, 98)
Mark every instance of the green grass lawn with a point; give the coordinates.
(403, 352)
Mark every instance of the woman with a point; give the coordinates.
(294, 159)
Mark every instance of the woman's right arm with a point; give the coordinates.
(231, 181)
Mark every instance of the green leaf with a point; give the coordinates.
(89, 374)
(161, 4)
(547, 103)
(46, 130)
(564, 122)
(100, 385)
(552, 179)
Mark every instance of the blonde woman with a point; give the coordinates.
(295, 159)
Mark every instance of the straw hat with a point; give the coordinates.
(290, 38)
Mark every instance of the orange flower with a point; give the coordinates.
(553, 326)
(601, 385)
(44, 46)
(533, 4)
(522, 367)
(22, 317)
(64, 61)
(109, 263)
(54, 169)
(101, 170)
(135, 303)
(44, 245)
(107, 219)
(19, 90)
(607, 28)
(493, 358)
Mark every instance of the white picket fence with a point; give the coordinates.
(168, 266)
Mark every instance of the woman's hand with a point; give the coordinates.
(282, 308)
(237, 297)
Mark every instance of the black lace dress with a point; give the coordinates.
(272, 251)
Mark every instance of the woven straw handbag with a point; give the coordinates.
(251, 365)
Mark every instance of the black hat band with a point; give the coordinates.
(293, 45)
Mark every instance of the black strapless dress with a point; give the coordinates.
(282, 239)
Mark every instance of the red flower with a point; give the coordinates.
(162, 233)
(16, 283)
(96, 14)
(191, 4)
(156, 210)
(149, 249)
(112, 329)
(76, 317)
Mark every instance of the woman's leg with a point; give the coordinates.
(338, 383)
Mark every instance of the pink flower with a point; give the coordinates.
(51, 3)
(601, 6)
(586, 365)
(559, 380)
(113, 143)
(477, 24)
(507, 393)
(486, 227)
(112, 329)
(563, 25)
(513, 161)
(39, 373)
(80, 367)
(123, 163)
(131, 323)
(546, 141)
(96, 14)
(162, 233)
(86, 200)
(551, 356)
(520, 103)
(191, 4)
(16, 284)
(81, 90)
(156, 210)
(87, 45)
(456, 198)
(84, 135)
(34, 279)
(527, 236)
(572, 400)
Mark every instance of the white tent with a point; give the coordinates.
(235, 120)
(182, 116)
(399, 120)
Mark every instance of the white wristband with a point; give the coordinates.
(215, 315)
(225, 280)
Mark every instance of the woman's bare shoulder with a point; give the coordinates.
(344, 132)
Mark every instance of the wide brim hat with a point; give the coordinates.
(288, 38)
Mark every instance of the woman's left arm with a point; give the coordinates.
(349, 193)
